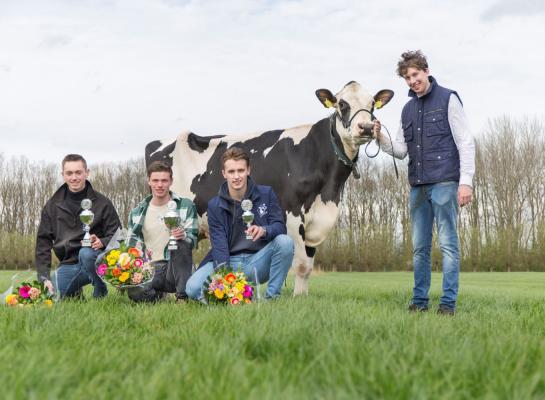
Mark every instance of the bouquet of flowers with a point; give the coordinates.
(124, 266)
(29, 294)
(228, 287)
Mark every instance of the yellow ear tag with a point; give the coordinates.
(328, 103)
(378, 104)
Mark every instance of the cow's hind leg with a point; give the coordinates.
(303, 268)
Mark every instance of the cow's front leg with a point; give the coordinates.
(303, 269)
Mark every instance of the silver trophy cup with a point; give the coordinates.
(247, 215)
(86, 217)
(172, 221)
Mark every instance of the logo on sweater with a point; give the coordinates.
(262, 209)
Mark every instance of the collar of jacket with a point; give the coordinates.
(144, 204)
(433, 83)
(60, 194)
(251, 193)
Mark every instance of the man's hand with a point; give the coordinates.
(179, 233)
(257, 232)
(49, 285)
(465, 194)
(96, 243)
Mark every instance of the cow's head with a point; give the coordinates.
(354, 108)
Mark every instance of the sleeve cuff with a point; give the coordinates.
(466, 180)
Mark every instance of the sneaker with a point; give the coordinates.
(444, 310)
(415, 308)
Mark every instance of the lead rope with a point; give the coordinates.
(378, 150)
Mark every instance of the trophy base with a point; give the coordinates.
(85, 243)
(249, 237)
(172, 246)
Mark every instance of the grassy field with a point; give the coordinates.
(351, 338)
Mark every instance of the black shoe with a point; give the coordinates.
(444, 310)
(415, 308)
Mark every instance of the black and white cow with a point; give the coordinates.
(307, 166)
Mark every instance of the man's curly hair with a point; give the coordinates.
(411, 59)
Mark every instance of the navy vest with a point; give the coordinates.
(433, 155)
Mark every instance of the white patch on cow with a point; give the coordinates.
(320, 221)
(302, 264)
(252, 151)
(188, 163)
(266, 151)
(296, 134)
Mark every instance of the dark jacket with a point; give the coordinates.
(60, 228)
(433, 154)
(267, 213)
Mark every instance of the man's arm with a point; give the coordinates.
(275, 220)
(396, 146)
(461, 133)
(44, 244)
(218, 237)
(191, 225)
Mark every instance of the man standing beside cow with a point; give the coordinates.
(262, 251)
(435, 134)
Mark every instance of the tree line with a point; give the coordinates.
(503, 229)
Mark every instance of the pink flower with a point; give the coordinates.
(136, 278)
(34, 293)
(137, 263)
(23, 292)
(248, 292)
(101, 270)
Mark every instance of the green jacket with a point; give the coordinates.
(188, 216)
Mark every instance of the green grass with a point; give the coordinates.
(351, 338)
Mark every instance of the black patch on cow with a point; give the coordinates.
(302, 231)
(200, 143)
(206, 185)
(310, 251)
(162, 155)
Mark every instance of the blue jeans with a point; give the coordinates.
(70, 278)
(271, 264)
(439, 202)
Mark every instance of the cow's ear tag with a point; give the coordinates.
(378, 104)
(328, 103)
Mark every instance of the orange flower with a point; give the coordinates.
(116, 272)
(230, 277)
(133, 251)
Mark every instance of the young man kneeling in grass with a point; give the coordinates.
(146, 225)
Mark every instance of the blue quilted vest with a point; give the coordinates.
(433, 155)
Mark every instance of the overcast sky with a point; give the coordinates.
(105, 77)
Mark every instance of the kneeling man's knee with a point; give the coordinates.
(193, 287)
(284, 243)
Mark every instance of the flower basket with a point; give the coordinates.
(226, 286)
(123, 266)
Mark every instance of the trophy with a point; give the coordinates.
(86, 217)
(247, 215)
(172, 221)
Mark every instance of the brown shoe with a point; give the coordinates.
(444, 310)
(181, 300)
(415, 308)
